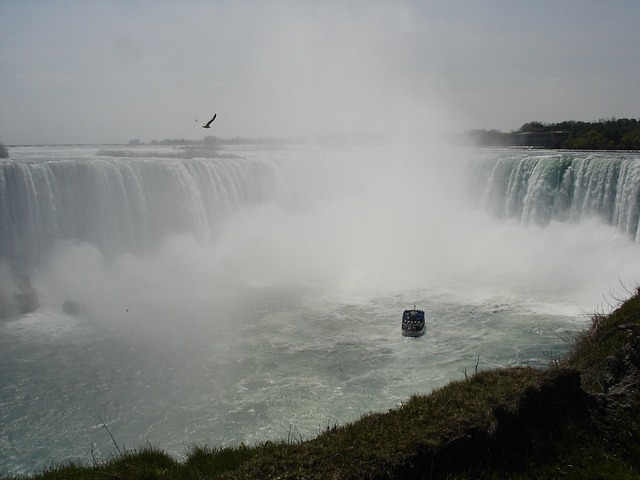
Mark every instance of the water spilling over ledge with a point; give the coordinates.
(568, 187)
(121, 202)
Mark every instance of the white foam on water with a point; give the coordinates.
(286, 317)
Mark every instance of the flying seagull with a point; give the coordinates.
(208, 124)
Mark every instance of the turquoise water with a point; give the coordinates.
(281, 316)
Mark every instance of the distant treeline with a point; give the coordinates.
(4, 153)
(606, 134)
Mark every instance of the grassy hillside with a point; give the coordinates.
(579, 418)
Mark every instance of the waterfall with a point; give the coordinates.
(540, 187)
(121, 204)
(127, 201)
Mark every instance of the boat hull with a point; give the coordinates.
(414, 333)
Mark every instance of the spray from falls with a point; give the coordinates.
(121, 205)
(193, 238)
(127, 205)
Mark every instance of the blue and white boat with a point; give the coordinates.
(413, 324)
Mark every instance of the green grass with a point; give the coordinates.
(603, 340)
(571, 420)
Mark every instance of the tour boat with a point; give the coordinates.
(413, 324)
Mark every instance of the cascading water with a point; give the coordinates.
(541, 187)
(120, 204)
(241, 298)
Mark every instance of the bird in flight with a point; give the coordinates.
(208, 124)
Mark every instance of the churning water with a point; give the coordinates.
(257, 295)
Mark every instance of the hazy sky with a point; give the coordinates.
(110, 71)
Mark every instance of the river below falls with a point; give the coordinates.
(285, 318)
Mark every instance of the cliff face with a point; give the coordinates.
(517, 433)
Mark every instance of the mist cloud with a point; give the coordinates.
(372, 222)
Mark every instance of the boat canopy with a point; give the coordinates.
(413, 316)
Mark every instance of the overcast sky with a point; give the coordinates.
(110, 71)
